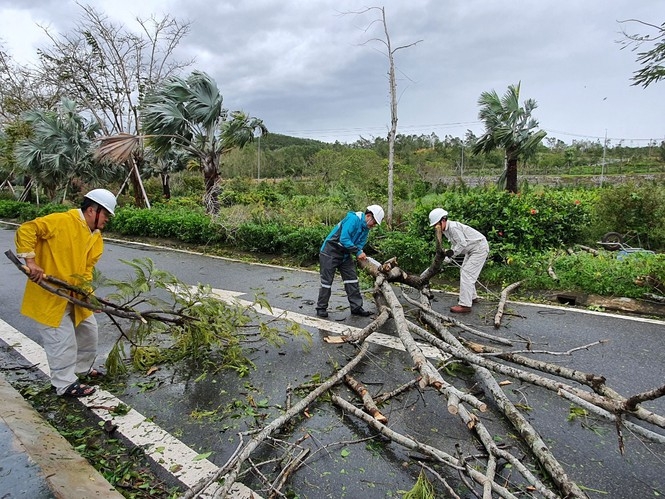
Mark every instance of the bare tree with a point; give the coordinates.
(390, 53)
(22, 90)
(108, 69)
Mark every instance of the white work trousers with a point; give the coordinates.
(474, 260)
(69, 350)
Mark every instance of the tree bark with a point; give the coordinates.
(502, 302)
(240, 457)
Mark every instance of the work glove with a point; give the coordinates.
(449, 253)
(447, 260)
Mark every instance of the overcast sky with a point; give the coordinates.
(309, 70)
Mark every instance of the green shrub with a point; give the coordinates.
(636, 208)
(413, 254)
(11, 209)
(186, 225)
(606, 275)
(304, 242)
(261, 238)
(530, 221)
(23, 211)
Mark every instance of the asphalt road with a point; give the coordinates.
(206, 414)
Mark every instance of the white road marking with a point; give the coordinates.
(163, 448)
(325, 325)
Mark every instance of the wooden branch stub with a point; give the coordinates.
(588, 250)
(368, 401)
(502, 302)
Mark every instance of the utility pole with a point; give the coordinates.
(258, 160)
(602, 164)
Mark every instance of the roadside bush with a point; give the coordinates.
(631, 207)
(261, 238)
(22, 211)
(11, 209)
(305, 242)
(530, 221)
(608, 276)
(413, 254)
(183, 224)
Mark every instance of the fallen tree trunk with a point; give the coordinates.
(480, 473)
(433, 452)
(239, 458)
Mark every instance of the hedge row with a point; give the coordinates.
(195, 227)
(530, 223)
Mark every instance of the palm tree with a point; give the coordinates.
(164, 165)
(60, 149)
(510, 127)
(188, 114)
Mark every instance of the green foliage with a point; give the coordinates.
(531, 221)
(413, 254)
(423, 489)
(304, 242)
(261, 238)
(277, 238)
(606, 275)
(23, 211)
(12, 209)
(184, 224)
(636, 208)
(192, 323)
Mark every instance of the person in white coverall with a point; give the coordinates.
(467, 241)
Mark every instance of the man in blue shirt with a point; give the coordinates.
(347, 238)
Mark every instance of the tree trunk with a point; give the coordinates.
(393, 124)
(511, 174)
(210, 178)
(134, 163)
(166, 186)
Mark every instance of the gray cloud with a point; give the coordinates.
(309, 69)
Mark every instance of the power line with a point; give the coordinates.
(598, 137)
(429, 128)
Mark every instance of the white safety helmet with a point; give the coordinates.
(377, 212)
(103, 198)
(436, 215)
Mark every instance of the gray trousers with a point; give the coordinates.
(69, 350)
(330, 260)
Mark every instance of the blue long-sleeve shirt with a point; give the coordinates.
(349, 235)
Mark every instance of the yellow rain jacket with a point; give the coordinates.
(63, 245)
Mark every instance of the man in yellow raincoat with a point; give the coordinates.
(65, 246)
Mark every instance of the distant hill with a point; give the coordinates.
(274, 141)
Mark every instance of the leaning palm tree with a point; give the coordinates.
(510, 127)
(188, 114)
